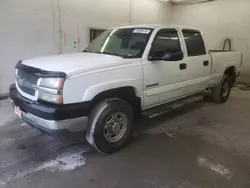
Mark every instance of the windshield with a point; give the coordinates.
(126, 43)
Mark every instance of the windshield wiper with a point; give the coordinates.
(109, 53)
(115, 54)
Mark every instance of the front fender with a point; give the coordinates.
(94, 90)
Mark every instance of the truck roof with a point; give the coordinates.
(152, 26)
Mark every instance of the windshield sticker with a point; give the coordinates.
(142, 31)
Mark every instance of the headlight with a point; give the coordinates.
(58, 99)
(50, 90)
(53, 83)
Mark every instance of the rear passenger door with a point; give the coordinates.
(197, 60)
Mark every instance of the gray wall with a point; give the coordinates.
(219, 20)
(30, 28)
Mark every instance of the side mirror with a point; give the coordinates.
(166, 56)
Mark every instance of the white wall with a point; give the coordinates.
(86, 14)
(26, 30)
(31, 28)
(155, 13)
(218, 20)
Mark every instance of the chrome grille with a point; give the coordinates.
(25, 80)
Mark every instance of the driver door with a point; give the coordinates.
(165, 69)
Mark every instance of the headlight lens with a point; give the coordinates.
(58, 99)
(53, 83)
(50, 90)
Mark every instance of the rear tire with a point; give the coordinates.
(111, 124)
(222, 92)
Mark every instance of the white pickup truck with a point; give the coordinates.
(125, 72)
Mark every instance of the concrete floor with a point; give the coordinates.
(202, 145)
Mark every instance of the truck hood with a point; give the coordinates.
(75, 63)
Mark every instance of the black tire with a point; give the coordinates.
(222, 92)
(98, 119)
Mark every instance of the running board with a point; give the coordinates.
(165, 108)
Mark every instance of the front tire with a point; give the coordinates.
(111, 124)
(222, 92)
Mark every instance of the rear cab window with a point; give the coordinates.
(194, 42)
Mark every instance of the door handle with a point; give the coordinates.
(205, 63)
(183, 66)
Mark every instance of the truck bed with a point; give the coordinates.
(223, 59)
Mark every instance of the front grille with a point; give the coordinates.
(27, 90)
(27, 77)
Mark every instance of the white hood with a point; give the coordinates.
(74, 63)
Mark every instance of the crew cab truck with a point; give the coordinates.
(123, 73)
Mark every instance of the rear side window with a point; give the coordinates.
(166, 43)
(194, 42)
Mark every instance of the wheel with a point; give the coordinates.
(222, 92)
(110, 125)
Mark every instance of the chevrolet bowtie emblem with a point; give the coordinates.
(20, 81)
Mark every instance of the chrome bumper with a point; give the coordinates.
(72, 125)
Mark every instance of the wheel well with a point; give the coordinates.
(230, 71)
(126, 93)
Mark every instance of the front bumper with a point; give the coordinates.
(52, 119)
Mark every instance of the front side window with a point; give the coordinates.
(194, 42)
(166, 46)
(126, 42)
